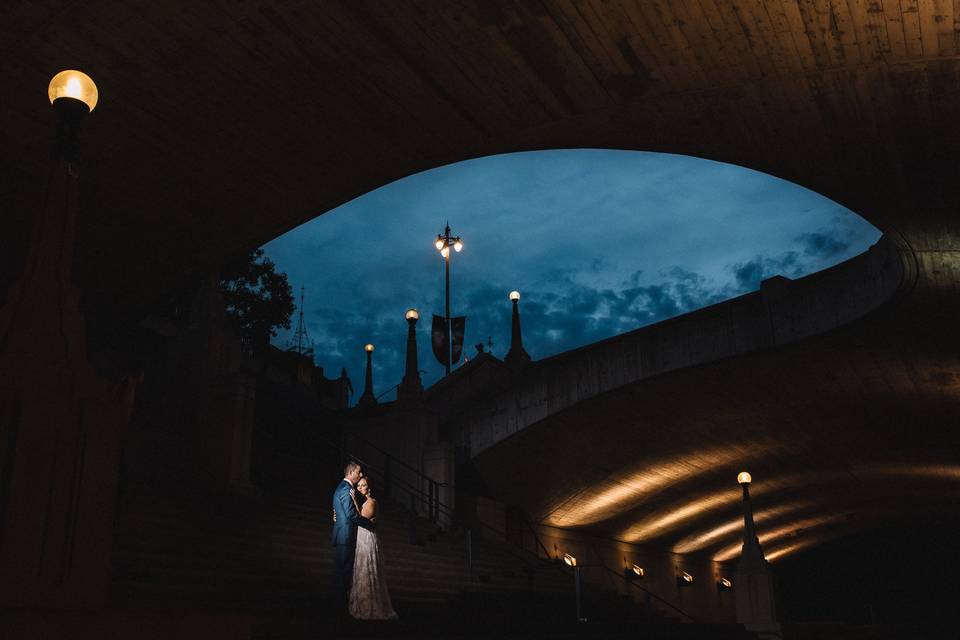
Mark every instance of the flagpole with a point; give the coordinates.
(446, 259)
(443, 244)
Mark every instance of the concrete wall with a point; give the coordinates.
(782, 311)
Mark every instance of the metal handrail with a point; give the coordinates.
(407, 487)
(435, 506)
(649, 593)
(367, 443)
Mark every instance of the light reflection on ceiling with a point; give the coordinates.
(780, 552)
(719, 504)
(674, 517)
(658, 525)
(791, 529)
(700, 540)
(624, 493)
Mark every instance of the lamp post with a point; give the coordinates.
(744, 479)
(753, 580)
(73, 95)
(68, 418)
(411, 386)
(516, 355)
(443, 244)
(368, 399)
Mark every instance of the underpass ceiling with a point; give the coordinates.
(223, 124)
(842, 432)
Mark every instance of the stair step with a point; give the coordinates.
(274, 553)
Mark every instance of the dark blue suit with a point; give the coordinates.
(344, 539)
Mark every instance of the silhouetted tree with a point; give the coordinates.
(258, 298)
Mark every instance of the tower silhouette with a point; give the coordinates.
(300, 342)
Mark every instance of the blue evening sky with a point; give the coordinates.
(598, 242)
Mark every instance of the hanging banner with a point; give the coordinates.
(439, 338)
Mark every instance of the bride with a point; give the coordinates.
(369, 598)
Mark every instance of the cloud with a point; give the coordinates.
(820, 245)
(748, 275)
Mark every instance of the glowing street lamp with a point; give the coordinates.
(744, 479)
(753, 581)
(73, 95)
(410, 386)
(516, 355)
(74, 85)
(443, 244)
(368, 399)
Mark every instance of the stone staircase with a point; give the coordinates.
(189, 552)
(268, 560)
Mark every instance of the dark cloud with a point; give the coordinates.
(748, 275)
(820, 245)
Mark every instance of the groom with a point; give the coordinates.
(344, 536)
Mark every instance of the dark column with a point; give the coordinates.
(368, 399)
(753, 580)
(411, 388)
(61, 422)
(516, 355)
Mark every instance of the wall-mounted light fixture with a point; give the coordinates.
(633, 572)
(723, 584)
(569, 560)
(684, 579)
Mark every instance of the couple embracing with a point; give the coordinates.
(357, 563)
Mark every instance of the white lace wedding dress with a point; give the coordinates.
(369, 598)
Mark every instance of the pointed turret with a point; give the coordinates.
(516, 355)
(411, 388)
(368, 399)
(753, 580)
